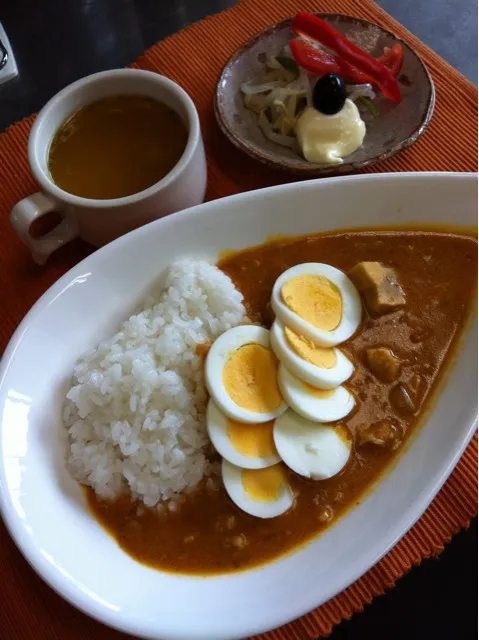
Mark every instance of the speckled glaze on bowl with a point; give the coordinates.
(397, 126)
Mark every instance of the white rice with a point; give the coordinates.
(135, 411)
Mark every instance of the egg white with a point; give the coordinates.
(331, 409)
(351, 311)
(217, 425)
(312, 450)
(234, 487)
(306, 371)
(218, 355)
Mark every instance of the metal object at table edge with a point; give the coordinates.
(8, 66)
(4, 54)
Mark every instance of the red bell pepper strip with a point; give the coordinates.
(320, 63)
(316, 29)
(392, 58)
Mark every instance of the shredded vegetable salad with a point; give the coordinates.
(286, 88)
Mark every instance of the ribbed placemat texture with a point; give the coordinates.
(194, 57)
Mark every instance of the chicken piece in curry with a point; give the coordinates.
(416, 289)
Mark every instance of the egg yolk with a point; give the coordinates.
(308, 351)
(252, 440)
(250, 379)
(315, 299)
(344, 433)
(263, 485)
(320, 394)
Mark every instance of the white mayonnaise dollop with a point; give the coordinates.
(329, 139)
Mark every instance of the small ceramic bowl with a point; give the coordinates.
(395, 128)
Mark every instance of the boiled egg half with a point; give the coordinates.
(250, 446)
(316, 451)
(241, 375)
(264, 493)
(317, 301)
(323, 367)
(318, 405)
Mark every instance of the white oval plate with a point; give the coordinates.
(44, 509)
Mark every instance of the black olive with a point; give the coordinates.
(329, 94)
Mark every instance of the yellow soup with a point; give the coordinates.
(116, 146)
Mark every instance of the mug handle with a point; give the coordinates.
(32, 208)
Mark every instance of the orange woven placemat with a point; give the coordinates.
(194, 58)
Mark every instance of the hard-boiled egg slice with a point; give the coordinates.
(241, 375)
(250, 446)
(319, 302)
(317, 451)
(264, 493)
(323, 367)
(318, 405)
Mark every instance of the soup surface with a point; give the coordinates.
(116, 146)
(209, 534)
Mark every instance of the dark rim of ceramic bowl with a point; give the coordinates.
(316, 169)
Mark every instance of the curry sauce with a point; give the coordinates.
(437, 271)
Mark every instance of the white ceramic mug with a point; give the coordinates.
(100, 221)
